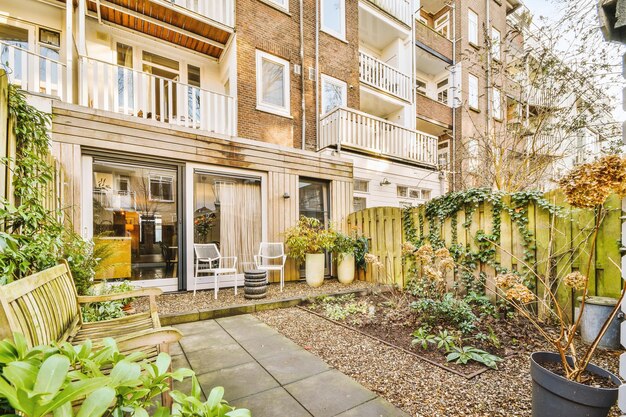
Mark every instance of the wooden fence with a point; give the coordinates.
(555, 245)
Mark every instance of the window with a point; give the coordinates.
(473, 91)
(161, 188)
(422, 19)
(425, 194)
(442, 25)
(412, 193)
(283, 4)
(334, 17)
(272, 78)
(472, 27)
(361, 186)
(402, 191)
(13, 52)
(334, 93)
(359, 203)
(442, 91)
(443, 155)
(497, 103)
(49, 47)
(420, 86)
(495, 43)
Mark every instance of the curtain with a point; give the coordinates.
(240, 220)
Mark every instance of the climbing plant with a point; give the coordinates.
(469, 257)
(33, 236)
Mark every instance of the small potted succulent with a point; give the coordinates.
(307, 242)
(565, 382)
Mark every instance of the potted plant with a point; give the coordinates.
(565, 383)
(307, 241)
(344, 249)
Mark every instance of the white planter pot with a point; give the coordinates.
(345, 268)
(314, 269)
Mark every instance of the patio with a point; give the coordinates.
(265, 372)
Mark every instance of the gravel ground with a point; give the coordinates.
(186, 302)
(415, 386)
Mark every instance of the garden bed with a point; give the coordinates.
(185, 302)
(416, 386)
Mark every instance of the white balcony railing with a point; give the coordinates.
(32, 72)
(350, 128)
(400, 9)
(384, 77)
(124, 90)
(222, 11)
(116, 199)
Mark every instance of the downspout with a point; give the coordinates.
(302, 77)
(317, 77)
(69, 50)
(488, 66)
(454, 104)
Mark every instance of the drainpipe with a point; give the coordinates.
(317, 76)
(302, 77)
(69, 50)
(454, 106)
(488, 75)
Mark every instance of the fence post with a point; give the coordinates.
(622, 359)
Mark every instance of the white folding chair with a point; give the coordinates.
(272, 257)
(210, 261)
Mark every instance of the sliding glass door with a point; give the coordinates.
(314, 201)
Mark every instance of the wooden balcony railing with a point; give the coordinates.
(124, 90)
(384, 77)
(33, 72)
(400, 9)
(348, 128)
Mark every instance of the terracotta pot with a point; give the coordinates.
(314, 269)
(345, 268)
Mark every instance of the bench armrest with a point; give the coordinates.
(149, 337)
(143, 292)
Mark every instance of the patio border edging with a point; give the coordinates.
(215, 313)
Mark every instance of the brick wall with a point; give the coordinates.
(432, 110)
(263, 27)
(432, 39)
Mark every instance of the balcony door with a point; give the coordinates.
(314, 201)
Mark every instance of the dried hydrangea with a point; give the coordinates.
(520, 293)
(505, 281)
(442, 253)
(575, 280)
(425, 253)
(432, 273)
(408, 248)
(447, 263)
(588, 185)
(370, 258)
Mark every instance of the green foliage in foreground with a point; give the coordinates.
(48, 379)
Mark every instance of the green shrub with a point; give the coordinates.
(448, 310)
(462, 355)
(308, 236)
(107, 310)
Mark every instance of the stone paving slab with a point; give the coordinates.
(269, 374)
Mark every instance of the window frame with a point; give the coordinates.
(268, 107)
(442, 22)
(160, 178)
(497, 103)
(446, 90)
(361, 198)
(496, 46)
(277, 4)
(342, 18)
(344, 89)
(366, 182)
(473, 94)
(472, 39)
(417, 87)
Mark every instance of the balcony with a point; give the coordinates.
(33, 72)
(109, 87)
(352, 129)
(384, 77)
(399, 9)
(432, 110)
(433, 41)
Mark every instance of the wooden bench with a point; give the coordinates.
(45, 308)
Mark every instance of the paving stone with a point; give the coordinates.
(229, 322)
(188, 329)
(238, 381)
(265, 346)
(250, 331)
(175, 349)
(375, 408)
(329, 393)
(211, 338)
(292, 366)
(272, 403)
(218, 357)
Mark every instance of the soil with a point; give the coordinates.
(588, 378)
(394, 322)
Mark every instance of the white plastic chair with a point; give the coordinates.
(207, 255)
(272, 257)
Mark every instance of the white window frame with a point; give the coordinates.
(442, 90)
(442, 24)
(359, 197)
(367, 185)
(422, 19)
(472, 27)
(342, 18)
(281, 4)
(424, 92)
(496, 101)
(268, 107)
(496, 42)
(344, 90)
(161, 179)
(472, 92)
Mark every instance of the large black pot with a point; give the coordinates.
(556, 396)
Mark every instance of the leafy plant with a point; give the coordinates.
(422, 337)
(341, 312)
(215, 406)
(463, 355)
(445, 340)
(447, 310)
(107, 310)
(308, 236)
(343, 245)
(482, 303)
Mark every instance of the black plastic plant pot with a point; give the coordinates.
(556, 396)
